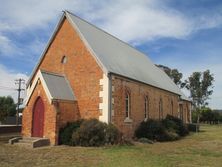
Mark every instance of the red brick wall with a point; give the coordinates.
(186, 111)
(82, 72)
(49, 117)
(67, 112)
(137, 93)
(81, 69)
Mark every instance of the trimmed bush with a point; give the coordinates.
(153, 130)
(90, 133)
(113, 136)
(168, 129)
(65, 134)
(180, 127)
(170, 125)
(95, 133)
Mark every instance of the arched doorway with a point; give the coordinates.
(38, 118)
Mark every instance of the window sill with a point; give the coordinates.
(128, 120)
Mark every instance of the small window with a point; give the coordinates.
(146, 107)
(127, 101)
(160, 109)
(64, 60)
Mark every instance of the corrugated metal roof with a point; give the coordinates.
(120, 58)
(58, 86)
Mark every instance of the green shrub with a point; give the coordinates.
(112, 134)
(65, 134)
(95, 133)
(180, 127)
(168, 129)
(149, 129)
(170, 125)
(153, 130)
(192, 127)
(172, 136)
(90, 133)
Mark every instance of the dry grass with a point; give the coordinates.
(202, 149)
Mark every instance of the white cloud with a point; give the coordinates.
(130, 20)
(143, 21)
(6, 45)
(7, 82)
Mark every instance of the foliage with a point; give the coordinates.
(169, 129)
(194, 116)
(112, 134)
(95, 133)
(200, 85)
(150, 129)
(209, 116)
(180, 127)
(65, 134)
(155, 130)
(174, 74)
(7, 107)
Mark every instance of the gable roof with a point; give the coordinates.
(56, 86)
(115, 56)
(120, 58)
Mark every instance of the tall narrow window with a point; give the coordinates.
(172, 107)
(160, 109)
(146, 107)
(127, 101)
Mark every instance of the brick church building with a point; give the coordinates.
(84, 72)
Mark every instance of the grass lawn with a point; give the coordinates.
(202, 149)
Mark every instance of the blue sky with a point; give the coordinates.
(182, 34)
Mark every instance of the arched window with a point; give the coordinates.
(64, 60)
(127, 101)
(160, 109)
(146, 107)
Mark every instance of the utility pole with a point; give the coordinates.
(19, 82)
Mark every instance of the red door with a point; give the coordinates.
(38, 118)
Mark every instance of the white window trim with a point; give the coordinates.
(127, 117)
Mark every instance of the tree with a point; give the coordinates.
(174, 74)
(7, 107)
(200, 85)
